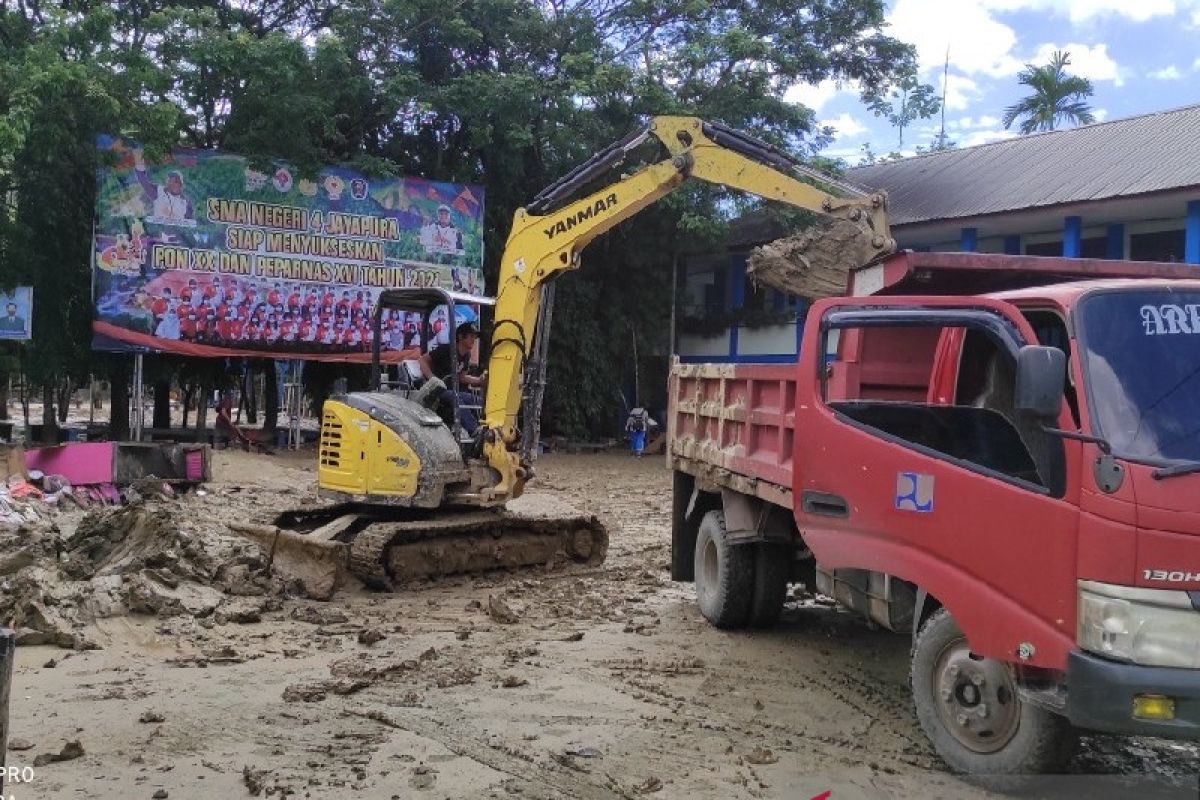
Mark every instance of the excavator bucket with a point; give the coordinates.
(816, 263)
(385, 549)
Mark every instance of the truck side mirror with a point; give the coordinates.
(1041, 376)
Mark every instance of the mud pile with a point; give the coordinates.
(815, 263)
(57, 576)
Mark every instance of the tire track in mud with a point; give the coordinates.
(456, 732)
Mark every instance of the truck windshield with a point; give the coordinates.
(1141, 358)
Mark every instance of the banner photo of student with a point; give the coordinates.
(204, 255)
(16, 314)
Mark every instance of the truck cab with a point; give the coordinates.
(1011, 476)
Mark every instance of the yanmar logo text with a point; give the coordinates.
(1166, 576)
(579, 217)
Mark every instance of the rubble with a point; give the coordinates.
(761, 755)
(70, 751)
(500, 611)
(370, 636)
(64, 572)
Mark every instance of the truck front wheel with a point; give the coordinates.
(969, 708)
(724, 574)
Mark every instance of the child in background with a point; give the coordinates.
(636, 426)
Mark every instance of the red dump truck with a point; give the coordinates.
(998, 455)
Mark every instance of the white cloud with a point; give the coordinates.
(1088, 62)
(845, 125)
(814, 96)
(961, 91)
(1169, 73)
(971, 123)
(979, 44)
(1100, 114)
(1083, 10)
(983, 137)
(1196, 65)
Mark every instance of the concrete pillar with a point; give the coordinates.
(1191, 234)
(968, 240)
(737, 299)
(1073, 237)
(720, 299)
(1114, 246)
(737, 285)
(1012, 245)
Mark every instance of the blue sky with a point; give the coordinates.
(1141, 56)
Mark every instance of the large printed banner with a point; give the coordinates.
(203, 255)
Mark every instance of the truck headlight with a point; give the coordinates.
(1153, 627)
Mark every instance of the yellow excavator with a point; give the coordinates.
(415, 495)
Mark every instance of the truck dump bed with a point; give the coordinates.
(733, 426)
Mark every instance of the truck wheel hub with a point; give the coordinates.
(975, 698)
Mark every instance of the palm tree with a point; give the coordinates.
(1057, 97)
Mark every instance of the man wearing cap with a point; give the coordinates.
(436, 363)
(440, 237)
(171, 205)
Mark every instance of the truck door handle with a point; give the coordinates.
(824, 504)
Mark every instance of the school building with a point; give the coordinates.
(1123, 189)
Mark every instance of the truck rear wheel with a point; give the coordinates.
(771, 569)
(969, 708)
(724, 574)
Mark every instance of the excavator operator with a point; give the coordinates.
(438, 363)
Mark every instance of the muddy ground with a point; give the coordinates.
(608, 684)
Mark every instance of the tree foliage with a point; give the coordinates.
(908, 102)
(507, 93)
(1057, 97)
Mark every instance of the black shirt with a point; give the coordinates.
(439, 361)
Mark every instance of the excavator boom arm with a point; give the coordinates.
(548, 235)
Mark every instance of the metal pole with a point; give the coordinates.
(139, 399)
(674, 299)
(637, 394)
(295, 401)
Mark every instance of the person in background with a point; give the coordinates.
(636, 426)
(226, 430)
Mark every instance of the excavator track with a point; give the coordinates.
(386, 551)
(391, 553)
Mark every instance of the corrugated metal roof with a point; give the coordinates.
(1137, 155)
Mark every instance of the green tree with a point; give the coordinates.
(509, 94)
(1057, 97)
(909, 101)
(65, 77)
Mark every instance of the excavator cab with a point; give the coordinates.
(393, 315)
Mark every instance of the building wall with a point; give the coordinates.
(716, 286)
(1136, 239)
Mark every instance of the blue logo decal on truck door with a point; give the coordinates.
(914, 492)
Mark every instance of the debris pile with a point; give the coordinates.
(814, 263)
(60, 573)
